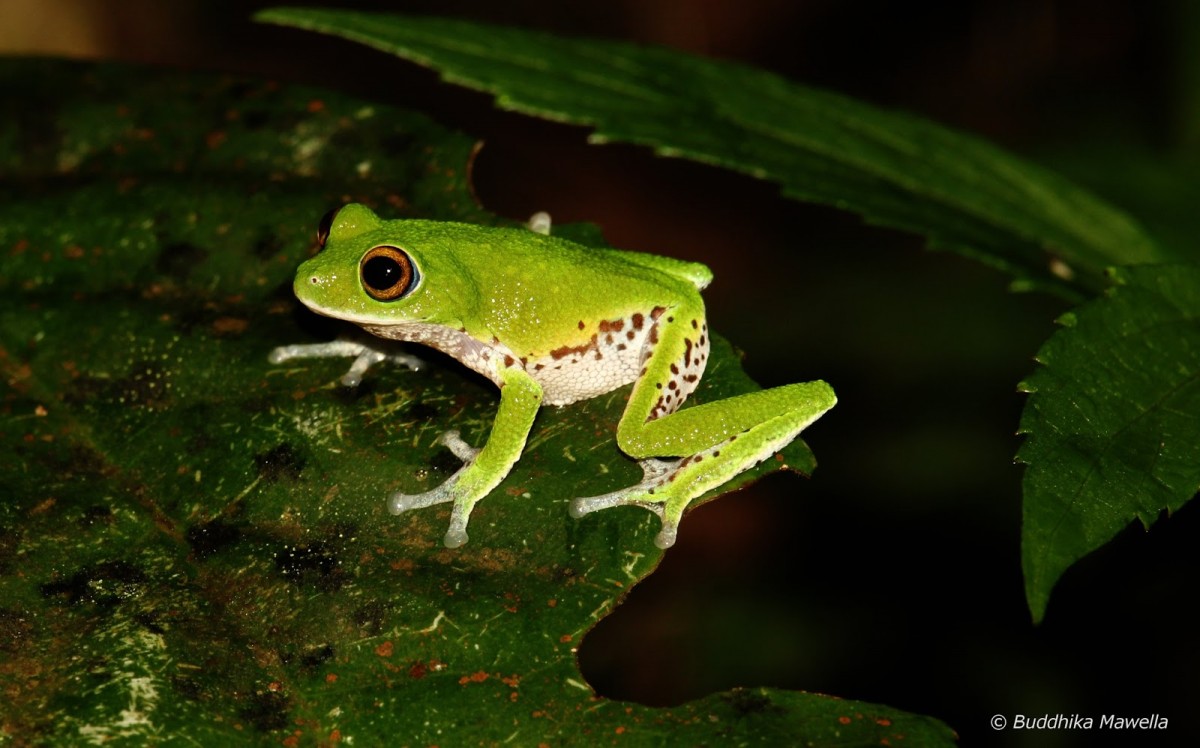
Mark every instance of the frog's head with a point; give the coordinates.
(372, 271)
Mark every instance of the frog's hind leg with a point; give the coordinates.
(669, 486)
(713, 442)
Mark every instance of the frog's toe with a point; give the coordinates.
(460, 448)
(585, 505)
(457, 534)
(655, 493)
(399, 503)
(666, 536)
(455, 538)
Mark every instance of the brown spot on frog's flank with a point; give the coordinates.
(385, 649)
(417, 670)
(581, 325)
(281, 462)
(637, 320)
(568, 350)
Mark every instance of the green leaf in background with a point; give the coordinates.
(194, 546)
(1113, 421)
(961, 192)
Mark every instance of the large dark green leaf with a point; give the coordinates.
(1113, 420)
(193, 544)
(963, 193)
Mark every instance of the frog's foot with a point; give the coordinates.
(366, 354)
(447, 492)
(648, 494)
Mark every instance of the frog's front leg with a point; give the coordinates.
(714, 441)
(366, 354)
(483, 469)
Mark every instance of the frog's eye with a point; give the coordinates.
(387, 273)
(324, 227)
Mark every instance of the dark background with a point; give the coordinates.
(893, 575)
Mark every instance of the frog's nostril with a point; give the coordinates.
(314, 280)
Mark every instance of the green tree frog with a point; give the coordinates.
(550, 322)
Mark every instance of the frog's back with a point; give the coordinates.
(695, 273)
(529, 249)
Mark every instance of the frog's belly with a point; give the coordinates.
(611, 358)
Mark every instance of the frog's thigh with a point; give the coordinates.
(697, 428)
(673, 362)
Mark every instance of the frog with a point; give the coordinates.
(550, 322)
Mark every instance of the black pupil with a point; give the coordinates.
(381, 273)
